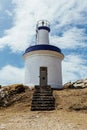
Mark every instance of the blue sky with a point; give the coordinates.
(68, 21)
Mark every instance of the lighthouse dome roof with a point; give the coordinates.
(42, 47)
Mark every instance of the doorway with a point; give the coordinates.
(43, 76)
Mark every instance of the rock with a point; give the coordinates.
(68, 85)
(3, 97)
(3, 93)
(7, 94)
(85, 85)
(20, 89)
(79, 81)
(85, 81)
(79, 85)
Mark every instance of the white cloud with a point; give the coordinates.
(62, 14)
(11, 75)
(59, 13)
(74, 68)
(71, 38)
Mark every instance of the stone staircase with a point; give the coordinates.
(43, 98)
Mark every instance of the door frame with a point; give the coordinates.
(43, 68)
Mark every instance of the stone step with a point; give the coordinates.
(42, 108)
(53, 100)
(42, 94)
(43, 98)
(43, 102)
(43, 91)
(43, 105)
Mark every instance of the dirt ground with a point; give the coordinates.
(70, 113)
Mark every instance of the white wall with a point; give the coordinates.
(43, 37)
(34, 62)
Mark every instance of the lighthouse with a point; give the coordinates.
(43, 61)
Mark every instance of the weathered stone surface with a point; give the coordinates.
(68, 85)
(7, 94)
(43, 99)
(78, 84)
(85, 81)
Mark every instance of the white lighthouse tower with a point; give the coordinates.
(43, 61)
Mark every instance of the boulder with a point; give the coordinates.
(68, 85)
(17, 89)
(77, 84)
(79, 81)
(85, 81)
(4, 96)
(8, 94)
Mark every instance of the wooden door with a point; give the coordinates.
(43, 76)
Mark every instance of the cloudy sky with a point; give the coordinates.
(68, 19)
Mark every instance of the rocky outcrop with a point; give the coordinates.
(78, 84)
(7, 94)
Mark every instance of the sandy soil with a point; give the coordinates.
(46, 120)
(20, 117)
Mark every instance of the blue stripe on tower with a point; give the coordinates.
(43, 47)
(44, 27)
